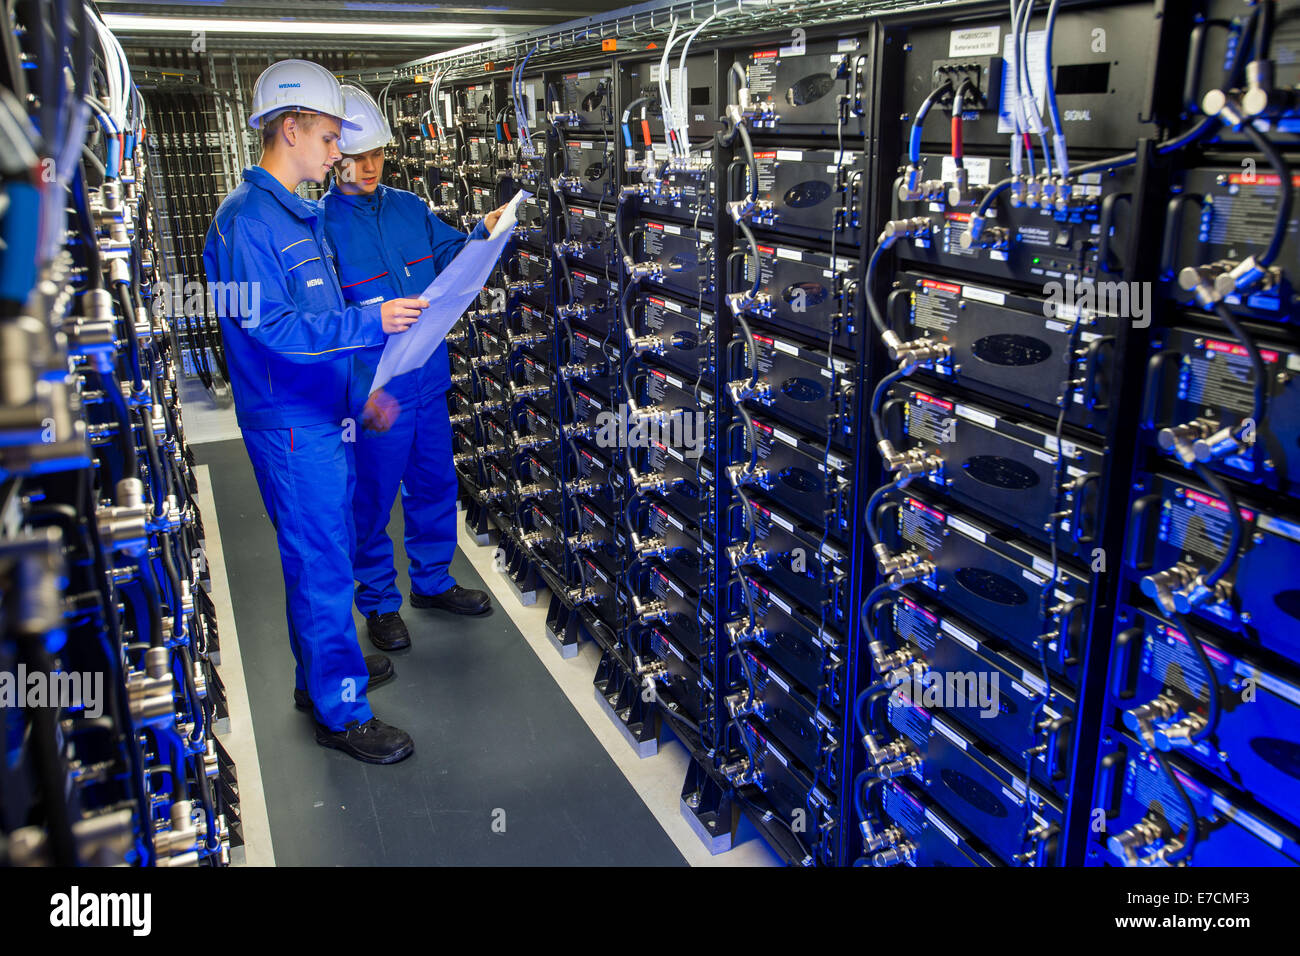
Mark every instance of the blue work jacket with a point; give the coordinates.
(389, 246)
(287, 331)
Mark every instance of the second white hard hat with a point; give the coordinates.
(297, 84)
(370, 125)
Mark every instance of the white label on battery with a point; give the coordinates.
(983, 295)
(778, 681)
(1286, 529)
(778, 755)
(794, 254)
(793, 50)
(943, 828)
(1293, 362)
(673, 380)
(794, 154)
(978, 169)
(778, 520)
(1034, 681)
(958, 634)
(674, 306)
(1045, 456)
(672, 230)
(1268, 682)
(1242, 818)
(1022, 691)
(786, 437)
(998, 256)
(674, 452)
(971, 414)
(1051, 713)
(1068, 448)
(967, 529)
(1063, 327)
(785, 347)
(974, 41)
(948, 732)
(1030, 576)
(672, 521)
(779, 603)
(1042, 566)
(846, 46)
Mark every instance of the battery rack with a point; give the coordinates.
(878, 393)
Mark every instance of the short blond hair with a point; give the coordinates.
(271, 128)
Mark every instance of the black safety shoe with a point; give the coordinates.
(456, 599)
(371, 742)
(387, 631)
(379, 667)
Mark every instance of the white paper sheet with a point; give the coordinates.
(449, 295)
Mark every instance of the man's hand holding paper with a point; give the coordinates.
(448, 296)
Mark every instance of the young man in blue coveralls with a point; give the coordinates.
(389, 244)
(289, 366)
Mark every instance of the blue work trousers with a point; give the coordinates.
(306, 476)
(415, 455)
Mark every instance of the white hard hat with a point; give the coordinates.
(368, 127)
(296, 84)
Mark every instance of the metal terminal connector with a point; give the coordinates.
(904, 576)
(896, 229)
(885, 660)
(572, 311)
(897, 768)
(655, 547)
(1141, 719)
(918, 351)
(581, 542)
(904, 852)
(987, 237)
(1197, 592)
(649, 612)
(644, 343)
(642, 270)
(1181, 440)
(740, 556)
(1180, 733)
(1160, 585)
(1137, 837)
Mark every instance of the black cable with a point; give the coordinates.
(1259, 385)
(1282, 221)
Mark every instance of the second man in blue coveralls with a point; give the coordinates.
(289, 365)
(390, 245)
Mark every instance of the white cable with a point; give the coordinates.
(681, 109)
(665, 101)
